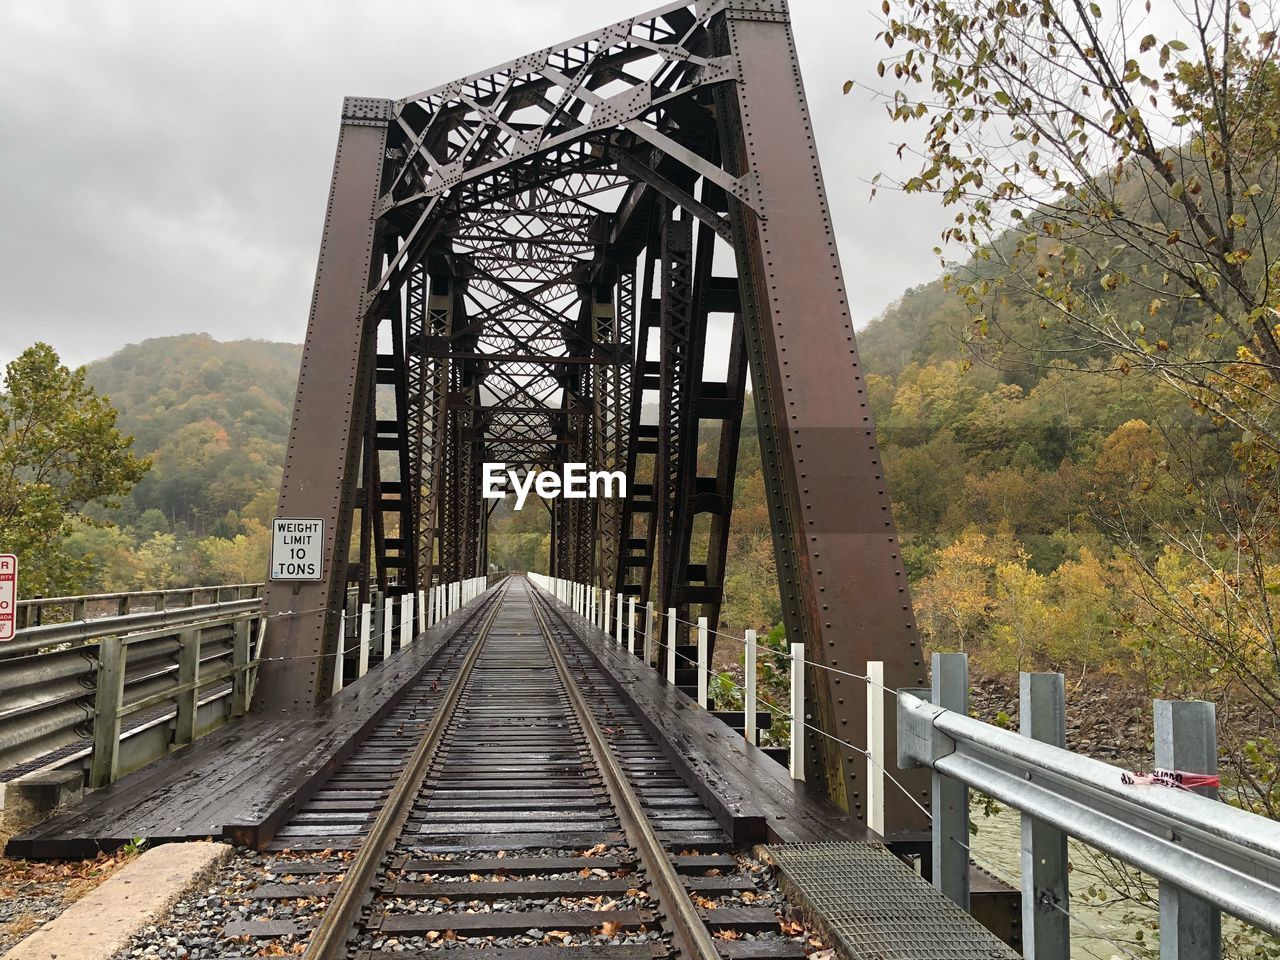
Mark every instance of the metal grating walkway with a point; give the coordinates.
(873, 906)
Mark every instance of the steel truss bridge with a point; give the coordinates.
(529, 266)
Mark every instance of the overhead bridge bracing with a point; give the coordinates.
(579, 256)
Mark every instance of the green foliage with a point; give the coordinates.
(214, 418)
(60, 451)
(1113, 313)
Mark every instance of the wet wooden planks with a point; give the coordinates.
(752, 796)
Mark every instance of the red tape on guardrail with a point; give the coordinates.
(1172, 778)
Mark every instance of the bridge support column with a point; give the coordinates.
(840, 572)
(321, 468)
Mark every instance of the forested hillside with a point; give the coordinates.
(213, 419)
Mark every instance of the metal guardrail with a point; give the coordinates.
(80, 632)
(162, 677)
(1208, 856)
(114, 693)
(37, 611)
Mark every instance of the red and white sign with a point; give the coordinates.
(8, 595)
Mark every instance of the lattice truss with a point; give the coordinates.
(521, 266)
(526, 193)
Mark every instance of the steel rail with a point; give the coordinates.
(687, 928)
(332, 935)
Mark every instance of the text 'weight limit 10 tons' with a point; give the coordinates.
(297, 549)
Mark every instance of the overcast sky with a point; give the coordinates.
(164, 164)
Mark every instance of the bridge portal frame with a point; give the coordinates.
(715, 144)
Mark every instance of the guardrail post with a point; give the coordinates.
(420, 611)
(749, 729)
(106, 707)
(77, 610)
(378, 629)
(340, 655)
(618, 618)
(366, 626)
(184, 727)
(704, 667)
(797, 711)
(875, 745)
(406, 620)
(648, 634)
(1186, 739)
(388, 625)
(606, 608)
(951, 797)
(240, 665)
(631, 625)
(671, 645)
(1046, 927)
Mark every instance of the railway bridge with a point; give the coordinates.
(591, 257)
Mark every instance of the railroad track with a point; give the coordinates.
(511, 806)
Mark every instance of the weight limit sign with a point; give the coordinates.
(297, 549)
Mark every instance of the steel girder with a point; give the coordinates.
(499, 219)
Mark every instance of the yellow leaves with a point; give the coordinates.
(790, 928)
(610, 928)
(1173, 237)
(727, 935)
(1154, 306)
(278, 950)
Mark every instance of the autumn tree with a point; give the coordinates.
(59, 452)
(1125, 182)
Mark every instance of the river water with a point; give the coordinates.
(1114, 928)
(1099, 931)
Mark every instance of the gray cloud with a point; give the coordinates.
(164, 164)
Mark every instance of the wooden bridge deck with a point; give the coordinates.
(244, 781)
